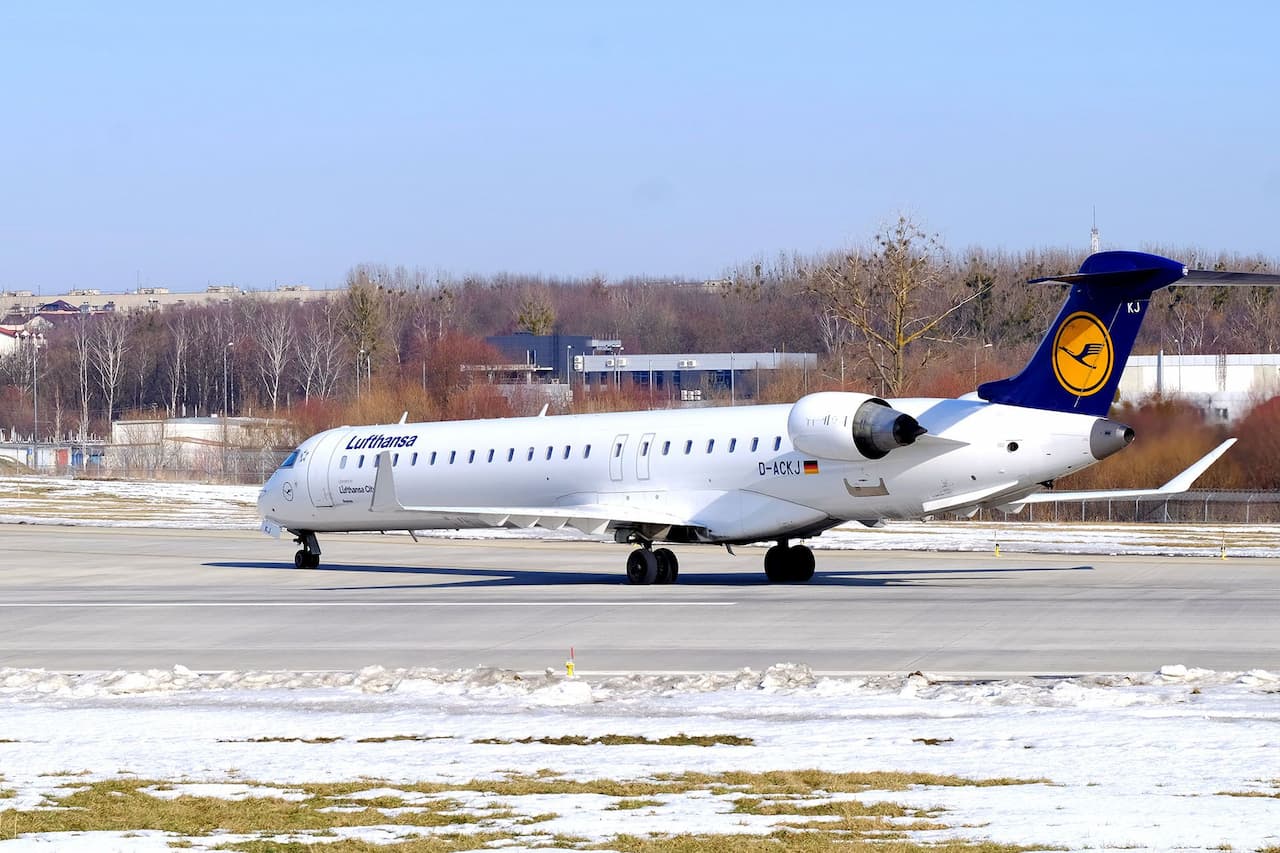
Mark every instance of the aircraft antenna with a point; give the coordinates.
(1094, 242)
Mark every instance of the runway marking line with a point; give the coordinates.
(49, 604)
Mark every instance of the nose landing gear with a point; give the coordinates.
(308, 556)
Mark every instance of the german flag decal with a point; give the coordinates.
(811, 466)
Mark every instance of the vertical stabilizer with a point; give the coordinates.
(1078, 364)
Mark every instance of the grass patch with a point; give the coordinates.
(933, 741)
(630, 805)
(130, 805)
(396, 738)
(681, 739)
(7, 793)
(121, 805)
(283, 740)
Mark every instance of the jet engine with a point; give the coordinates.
(847, 426)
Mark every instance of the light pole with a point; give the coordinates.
(568, 357)
(359, 358)
(975, 362)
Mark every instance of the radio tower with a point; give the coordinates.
(1094, 242)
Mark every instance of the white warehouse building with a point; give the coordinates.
(1226, 387)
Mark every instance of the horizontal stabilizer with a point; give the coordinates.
(1176, 486)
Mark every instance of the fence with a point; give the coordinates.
(1187, 508)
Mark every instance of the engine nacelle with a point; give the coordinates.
(847, 426)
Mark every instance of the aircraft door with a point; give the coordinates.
(643, 452)
(319, 466)
(616, 453)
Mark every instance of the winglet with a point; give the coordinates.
(384, 487)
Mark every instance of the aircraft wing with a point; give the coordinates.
(1177, 485)
(592, 519)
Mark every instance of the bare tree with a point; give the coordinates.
(175, 361)
(318, 352)
(894, 296)
(82, 339)
(273, 330)
(109, 344)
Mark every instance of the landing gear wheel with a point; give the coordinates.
(642, 567)
(668, 565)
(304, 559)
(788, 565)
(802, 563)
(775, 564)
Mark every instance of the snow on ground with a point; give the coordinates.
(121, 503)
(1143, 761)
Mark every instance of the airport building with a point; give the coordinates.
(1224, 387)
(587, 363)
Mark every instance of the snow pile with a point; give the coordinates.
(552, 688)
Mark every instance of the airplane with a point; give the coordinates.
(744, 474)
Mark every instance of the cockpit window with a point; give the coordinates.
(288, 462)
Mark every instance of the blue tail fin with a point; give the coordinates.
(1078, 364)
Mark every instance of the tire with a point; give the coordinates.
(775, 564)
(642, 567)
(801, 563)
(668, 565)
(300, 559)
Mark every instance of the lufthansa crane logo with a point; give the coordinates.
(1082, 354)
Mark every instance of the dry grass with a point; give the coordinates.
(125, 805)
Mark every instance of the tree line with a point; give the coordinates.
(896, 314)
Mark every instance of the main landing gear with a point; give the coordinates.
(784, 564)
(648, 565)
(308, 556)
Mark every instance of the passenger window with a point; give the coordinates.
(490, 454)
(471, 457)
(688, 447)
(586, 452)
(755, 444)
(550, 450)
(395, 460)
(453, 454)
(711, 444)
(566, 451)
(360, 462)
(433, 458)
(511, 454)
(342, 463)
(644, 449)
(666, 448)
(777, 443)
(376, 460)
(530, 454)
(414, 460)
(617, 450)
(733, 444)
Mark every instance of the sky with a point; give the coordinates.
(257, 144)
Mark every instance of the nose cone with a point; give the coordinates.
(1108, 437)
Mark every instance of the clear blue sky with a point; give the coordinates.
(257, 143)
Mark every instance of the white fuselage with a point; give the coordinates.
(733, 474)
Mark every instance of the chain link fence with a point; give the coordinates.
(1200, 507)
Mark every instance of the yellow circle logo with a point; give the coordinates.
(1082, 354)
